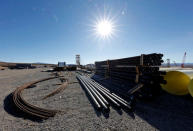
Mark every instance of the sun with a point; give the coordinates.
(104, 28)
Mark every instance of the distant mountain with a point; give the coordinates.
(41, 63)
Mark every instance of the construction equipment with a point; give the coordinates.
(61, 66)
(183, 60)
(71, 67)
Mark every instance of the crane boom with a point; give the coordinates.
(183, 60)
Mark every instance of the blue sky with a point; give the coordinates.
(56, 30)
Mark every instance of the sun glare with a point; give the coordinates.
(104, 28)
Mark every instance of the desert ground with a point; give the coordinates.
(166, 112)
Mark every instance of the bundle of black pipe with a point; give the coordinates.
(100, 96)
(148, 60)
(142, 69)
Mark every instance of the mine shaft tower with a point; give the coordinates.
(78, 60)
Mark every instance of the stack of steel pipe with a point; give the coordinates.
(143, 69)
(101, 96)
(148, 60)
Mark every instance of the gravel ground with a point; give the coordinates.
(165, 113)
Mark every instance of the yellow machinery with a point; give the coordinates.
(177, 83)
